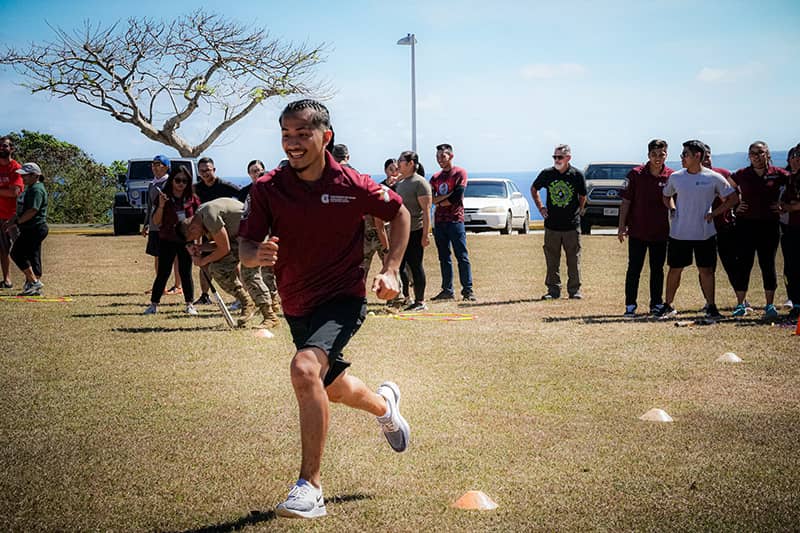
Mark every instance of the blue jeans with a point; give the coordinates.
(445, 234)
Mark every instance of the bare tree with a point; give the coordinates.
(152, 69)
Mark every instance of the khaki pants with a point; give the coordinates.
(570, 240)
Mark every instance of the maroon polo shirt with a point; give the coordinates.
(321, 230)
(726, 219)
(648, 217)
(759, 192)
(443, 182)
(791, 193)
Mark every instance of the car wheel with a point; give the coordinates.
(586, 227)
(507, 229)
(526, 224)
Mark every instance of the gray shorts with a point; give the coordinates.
(329, 327)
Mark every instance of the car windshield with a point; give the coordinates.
(140, 170)
(608, 172)
(485, 189)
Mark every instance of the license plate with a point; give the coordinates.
(611, 211)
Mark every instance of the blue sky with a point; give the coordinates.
(502, 81)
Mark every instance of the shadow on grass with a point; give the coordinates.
(499, 302)
(258, 517)
(161, 329)
(685, 319)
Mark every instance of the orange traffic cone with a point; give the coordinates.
(475, 499)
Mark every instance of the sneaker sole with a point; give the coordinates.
(391, 385)
(285, 512)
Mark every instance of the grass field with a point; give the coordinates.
(110, 420)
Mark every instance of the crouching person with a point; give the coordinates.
(219, 221)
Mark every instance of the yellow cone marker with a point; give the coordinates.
(475, 500)
(656, 415)
(729, 357)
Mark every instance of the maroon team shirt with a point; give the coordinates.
(759, 192)
(321, 230)
(648, 217)
(443, 182)
(791, 193)
(726, 219)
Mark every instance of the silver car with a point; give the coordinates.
(492, 204)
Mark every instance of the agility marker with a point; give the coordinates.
(475, 500)
(263, 333)
(729, 357)
(656, 415)
(434, 317)
(37, 299)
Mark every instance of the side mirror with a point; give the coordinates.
(516, 194)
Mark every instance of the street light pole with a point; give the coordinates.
(410, 40)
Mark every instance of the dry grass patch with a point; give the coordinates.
(112, 420)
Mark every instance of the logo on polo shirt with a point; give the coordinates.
(336, 199)
(443, 189)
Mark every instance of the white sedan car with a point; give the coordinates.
(492, 204)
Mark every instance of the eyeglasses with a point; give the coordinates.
(686, 154)
(559, 157)
(204, 170)
(157, 164)
(180, 181)
(758, 153)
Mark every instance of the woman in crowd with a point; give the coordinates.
(392, 173)
(757, 226)
(31, 220)
(176, 202)
(790, 232)
(416, 193)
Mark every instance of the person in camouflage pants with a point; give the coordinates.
(219, 219)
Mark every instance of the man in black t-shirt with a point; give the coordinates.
(566, 198)
(210, 187)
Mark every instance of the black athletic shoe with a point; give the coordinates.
(667, 312)
(469, 297)
(712, 312)
(203, 300)
(576, 296)
(551, 296)
(444, 295)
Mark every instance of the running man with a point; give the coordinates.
(306, 219)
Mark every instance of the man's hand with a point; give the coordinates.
(426, 240)
(267, 254)
(385, 285)
(742, 207)
(543, 211)
(622, 232)
(145, 230)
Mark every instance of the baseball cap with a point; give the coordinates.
(164, 160)
(30, 168)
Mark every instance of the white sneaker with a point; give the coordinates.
(32, 288)
(151, 309)
(304, 501)
(191, 310)
(394, 426)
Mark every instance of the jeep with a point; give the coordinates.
(604, 182)
(132, 205)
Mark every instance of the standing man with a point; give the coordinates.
(313, 210)
(566, 198)
(448, 225)
(219, 220)
(692, 231)
(644, 219)
(210, 187)
(11, 186)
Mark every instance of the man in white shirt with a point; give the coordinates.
(689, 194)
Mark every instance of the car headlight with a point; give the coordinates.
(135, 195)
(493, 209)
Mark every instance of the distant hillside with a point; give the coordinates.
(737, 160)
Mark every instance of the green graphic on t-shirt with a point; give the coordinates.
(560, 193)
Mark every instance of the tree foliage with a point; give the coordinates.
(80, 189)
(145, 70)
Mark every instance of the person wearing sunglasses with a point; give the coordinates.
(692, 232)
(758, 225)
(176, 202)
(566, 200)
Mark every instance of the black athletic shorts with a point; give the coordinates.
(153, 243)
(679, 253)
(329, 327)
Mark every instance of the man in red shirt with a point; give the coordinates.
(313, 209)
(448, 226)
(11, 187)
(644, 219)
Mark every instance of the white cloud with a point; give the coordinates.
(545, 71)
(731, 74)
